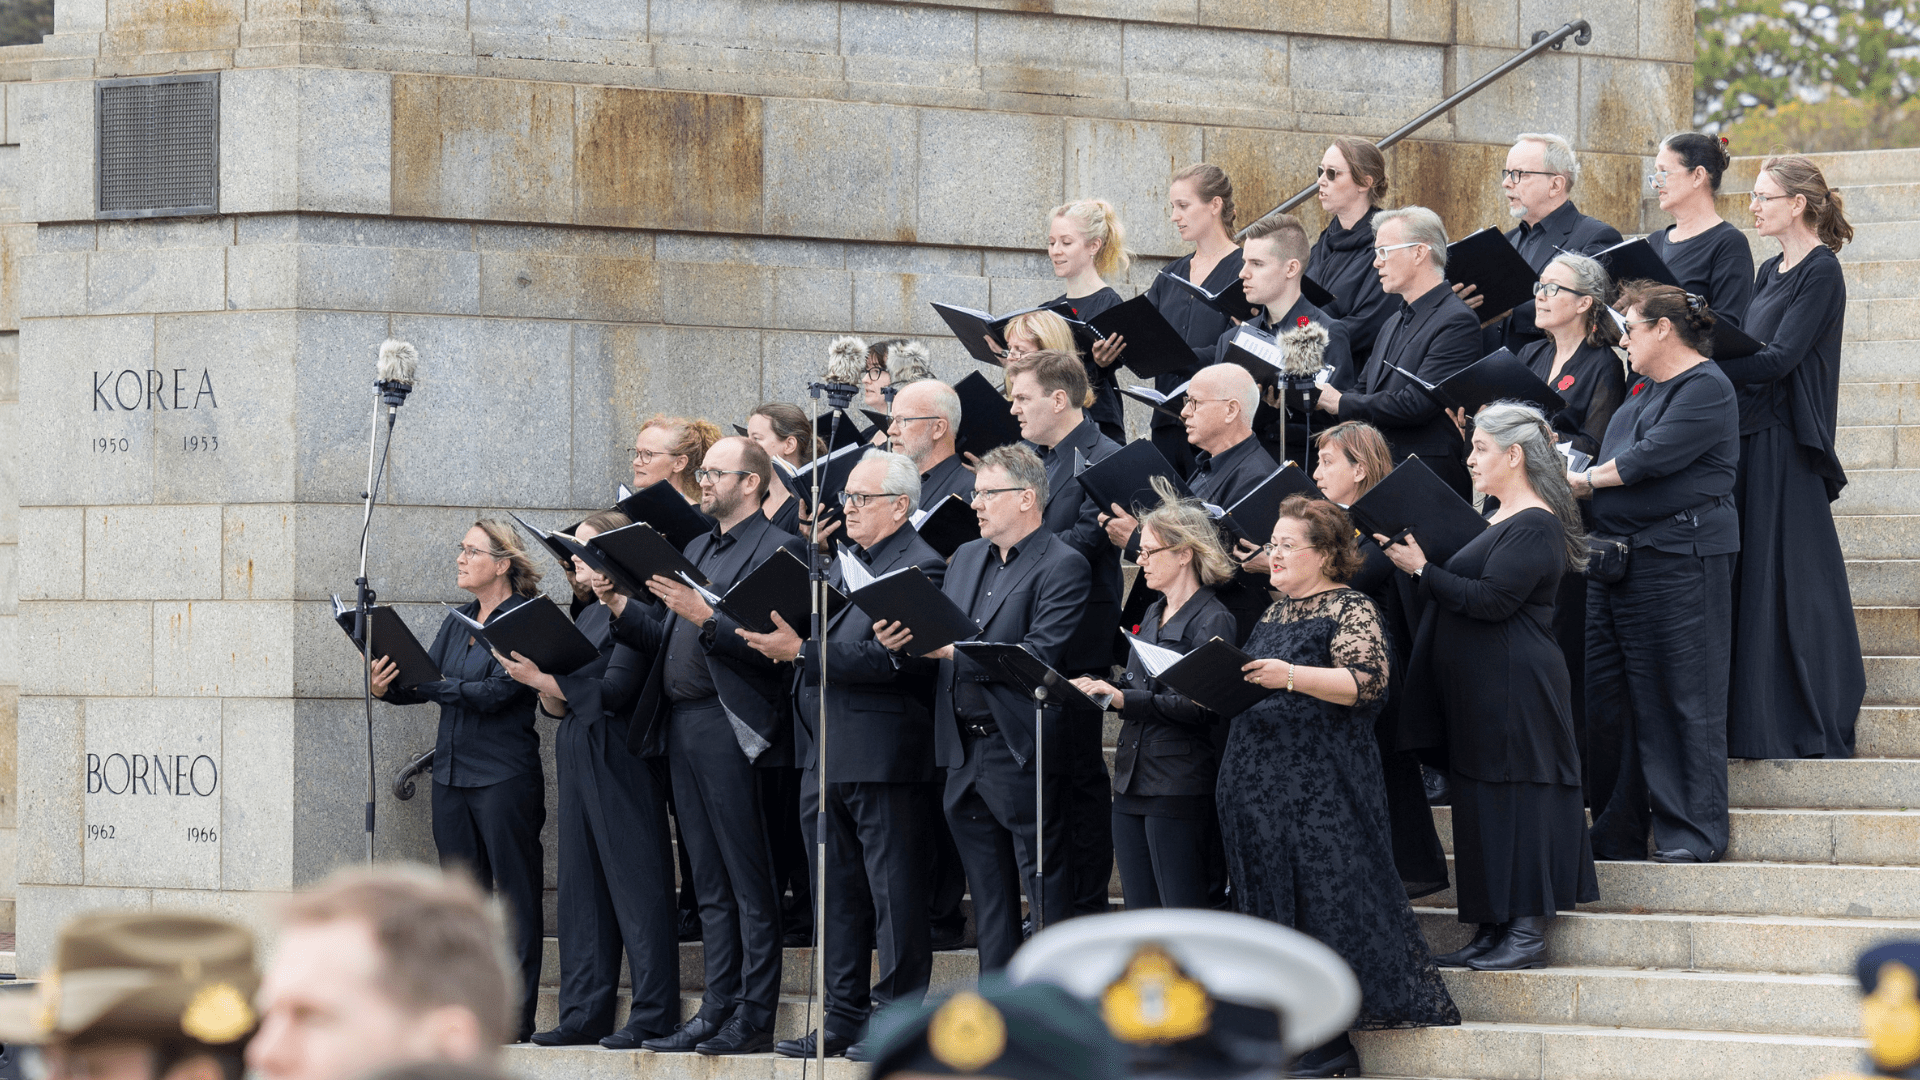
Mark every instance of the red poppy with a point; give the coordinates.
(1637, 387)
(1565, 381)
(1303, 320)
(1136, 628)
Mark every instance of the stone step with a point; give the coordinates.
(1886, 279)
(1868, 404)
(1866, 204)
(1881, 320)
(1843, 169)
(1862, 837)
(1886, 631)
(790, 1016)
(1883, 582)
(1879, 491)
(1877, 446)
(1826, 784)
(1887, 732)
(1767, 1004)
(1893, 680)
(951, 968)
(1555, 1052)
(1885, 240)
(592, 1063)
(1878, 536)
(1880, 361)
(1753, 888)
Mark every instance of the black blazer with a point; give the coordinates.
(881, 717)
(1039, 607)
(752, 688)
(1073, 518)
(1566, 229)
(1167, 743)
(1442, 336)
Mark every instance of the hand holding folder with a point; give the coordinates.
(909, 597)
(1016, 667)
(1209, 675)
(537, 630)
(983, 334)
(1487, 261)
(391, 639)
(1154, 347)
(1412, 500)
(626, 556)
(780, 584)
(1125, 478)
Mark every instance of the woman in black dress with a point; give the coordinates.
(1709, 256)
(1300, 796)
(489, 793)
(1168, 752)
(1798, 679)
(1087, 245)
(1577, 359)
(1353, 183)
(1486, 657)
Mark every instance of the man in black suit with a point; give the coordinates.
(1538, 179)
(718, 710)
(879, 753)
(1432, 335)
(926, 420)
(1021, 585)
(1048, 390)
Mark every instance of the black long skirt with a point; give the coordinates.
(1519, 849)
(1797, 679)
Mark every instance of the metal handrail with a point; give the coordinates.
(1578, 30)
(403, 780)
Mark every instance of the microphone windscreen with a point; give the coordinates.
(846, 360)
(399, 362)
(1305, 347)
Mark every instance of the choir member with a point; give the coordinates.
(1659, 637)
(783, 432)
(1037, 330)
(1022, 585)
(1201, 200)
(616, 864)
(669, 448)
(1352, 178)
(1798, 678)
(1351, 459)
(1087, 245)
(489, 793)
(1709, 256)
(1538, 180)
(719, 712)
(1047, 388)
(926, 419)
(1167, 755)
(1487, 662)
(879, 752)
(1432, 335)
(1299, 794)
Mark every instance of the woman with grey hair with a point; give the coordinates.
(1486, 664)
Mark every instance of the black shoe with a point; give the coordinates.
(1336, 1057)
(687, 926)
(562, 1037)
(737, 1037)
(946, 939)
(1683, 855)
(860, 1051)
(1484, 939)
(630, 1038)
(797, 939)
(803, 1047)
(1523, 946)
(684, 1038)
(523, 1036)
(1439, 789)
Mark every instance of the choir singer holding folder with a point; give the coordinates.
(1274, 260)
(489, 794)
(1021, 585)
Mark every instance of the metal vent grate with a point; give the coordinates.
(157, 142)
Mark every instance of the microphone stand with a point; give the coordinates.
(1039, 808)
(392, 394)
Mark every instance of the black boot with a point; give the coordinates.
(1484, 939)
(1336, 1057)
(1524, 946)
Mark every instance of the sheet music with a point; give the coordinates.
(854, 574)
(705, 594)
(1157, 658)
(1261, 346)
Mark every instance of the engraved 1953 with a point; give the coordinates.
(205, 443)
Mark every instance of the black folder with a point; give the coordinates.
(663, 507)
(1732, 343)
(1497, 376)
(974, 327)
(910, 598)
(1126, 477)
(829, 473)
(880, 421)
(948, 525)
(985, 420)
(1412, 499)
(1253, 515)
(1316, 293)
(1487, 260)
(539, 631)
(780, 583)
(554, 547)
(1168, 403)
(1154, 347)
(1230, 301)
(1634, 260)
(846, 434)
(1258, 351)
(1210, 674)
(740, 431)
(394, 639)
(1015, 666)
(629, 556)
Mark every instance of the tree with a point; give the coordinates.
(1765, 54)
(25, 22)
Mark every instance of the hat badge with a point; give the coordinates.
(967, 1033)
(47, 1016)
(1154, 1002)
(218, 1013)
(1891, 1017)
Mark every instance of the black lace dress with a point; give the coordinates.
(1303, 811)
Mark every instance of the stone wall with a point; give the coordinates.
(580, 212)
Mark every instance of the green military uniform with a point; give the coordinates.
(1032, 1032)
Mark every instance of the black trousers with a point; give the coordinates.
(1163, 860)
(876, 896)
(1089, 814)
(990, 807)
(718, 796)
(493, 832)
(792, 852)
(616, 885)
(946, 877)
(1659, 649)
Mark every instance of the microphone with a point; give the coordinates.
(846, 366)
(1305, 349)
(399, 365)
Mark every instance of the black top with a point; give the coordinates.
(1717, 264)
(1167, 744)
(969, 701)
(787, 518)
(1795, 380)
(1677, 444)
(1566, 229)
(1198, 325)
(602, 693)
(1593, 383)
(1342, 262)
(948, 477)
(486, 719)
(1073, 517)
(1346, 372)
(1106, 392)
(1433, 337)
(1223, 477)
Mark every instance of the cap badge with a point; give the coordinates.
(1154, 1002)
(218, 1014)
(47, 1016)
(967, 1033)
(1891, 1017)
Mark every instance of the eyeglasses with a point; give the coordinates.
(1146, 551)
(859, 499)
(911, 419)
(981, 495)
(645, 457)
(468, 551)
(873, 373)
(1331, 174)
(1756, 197)
(1269, 548)
(1381, 252)
(1547, 290)
(1192, 404)
(701, 476)
(1512, 176)
(1626, 326)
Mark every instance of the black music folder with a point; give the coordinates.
(845, 434)
(740, 431)
(394, 639)
(537, 630)
(1168, 403)
(1230, 301)
(1316, 293)
(879, 420)
(1497, 376)
(829, 473)
(1154, 347)
(909, 597)
(1258, 351)
(975, 328)
(985, 420)
(1210, 674)
(1126, 477)
(662, 506)
(1732, 343)
(1253, 515)
(947, 525)
(1413, 500)
(1015, 666)
(1633, 260)
(780, 583)
(554, 547)
(1487, 260)
(629, 556)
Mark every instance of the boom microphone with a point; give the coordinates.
(399, 364)
(1305, 349)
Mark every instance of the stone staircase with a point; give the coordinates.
(1742, 969)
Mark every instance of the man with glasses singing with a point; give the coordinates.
(717, 710)
(1021, 585)
(879, 753)
(1431, 336)
(1538, 180)
(925, 424)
